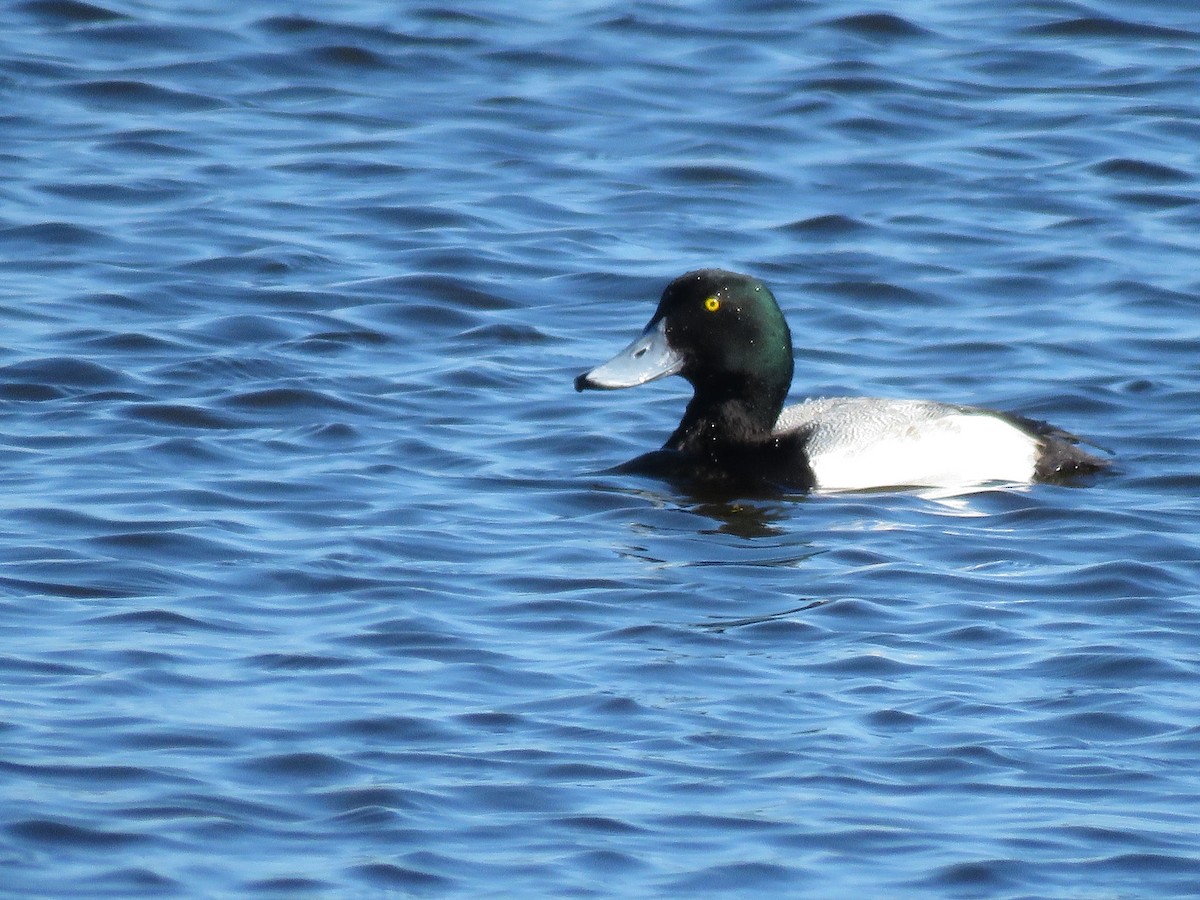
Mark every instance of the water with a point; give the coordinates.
(313, 582)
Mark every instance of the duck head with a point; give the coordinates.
(726, 335)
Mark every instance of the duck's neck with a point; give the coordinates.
(733, 411)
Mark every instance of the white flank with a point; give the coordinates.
(859, 443)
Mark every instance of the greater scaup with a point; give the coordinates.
(725, 333)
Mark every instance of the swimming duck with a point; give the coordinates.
(725, 334)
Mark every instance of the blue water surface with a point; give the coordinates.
(312, 577)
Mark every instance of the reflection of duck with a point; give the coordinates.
(726, 335)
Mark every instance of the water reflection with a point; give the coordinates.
(719, 625)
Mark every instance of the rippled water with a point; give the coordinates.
(312, 579)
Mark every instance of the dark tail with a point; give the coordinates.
(1061, 459)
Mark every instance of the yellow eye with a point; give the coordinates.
(712, 304)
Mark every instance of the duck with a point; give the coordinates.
(725, 334)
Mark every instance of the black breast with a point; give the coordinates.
(767, 462)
